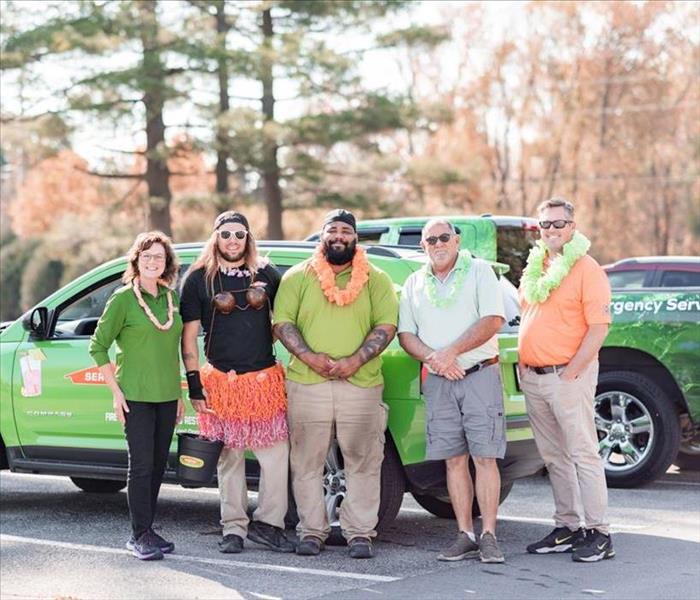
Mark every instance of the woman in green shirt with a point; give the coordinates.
(143, 318)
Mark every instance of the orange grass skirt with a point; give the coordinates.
(251, 409)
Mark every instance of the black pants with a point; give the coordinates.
(149, 431)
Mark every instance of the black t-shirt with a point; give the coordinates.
(242, 340)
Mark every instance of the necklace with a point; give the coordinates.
(234, 271)
(135, 284)
(462, 266)
(326, 277)
(538, 285)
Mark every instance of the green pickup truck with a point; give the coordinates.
(56, 413)
(648, 396)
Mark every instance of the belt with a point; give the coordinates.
(545, 370)
(481, 365)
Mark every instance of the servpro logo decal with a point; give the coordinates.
(93, 376)
(191, 461)
(89, 376)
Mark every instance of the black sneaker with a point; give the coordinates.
(561, 539)
(160, 542)
(143, 549)
(597, 546)
(360, 547)
(270, 536)
(231, 544)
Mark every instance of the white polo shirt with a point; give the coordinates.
(480, 296)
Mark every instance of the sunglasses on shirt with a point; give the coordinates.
(443, 237)
(225, 234)
(558, 224)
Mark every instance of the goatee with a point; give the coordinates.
(340, 257)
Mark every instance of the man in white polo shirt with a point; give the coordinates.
(449, 315)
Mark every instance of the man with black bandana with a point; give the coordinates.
(335, 313)
(239, 393)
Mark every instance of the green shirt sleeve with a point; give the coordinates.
(287, 299)
(385, 303)
(108, 327)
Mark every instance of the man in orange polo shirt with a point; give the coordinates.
(565, 301)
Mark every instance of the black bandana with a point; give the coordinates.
(231, 216)
(340, 215)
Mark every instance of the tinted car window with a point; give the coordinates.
(513, 245)
(81, 315)
(680, 279)
(626, 279)
(409, 238)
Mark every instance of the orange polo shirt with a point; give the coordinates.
(552, 331)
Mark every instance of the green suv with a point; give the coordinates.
(56, 413)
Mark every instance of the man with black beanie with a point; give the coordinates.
(335, 313)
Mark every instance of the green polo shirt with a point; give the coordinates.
(148, 360)
(336, 330)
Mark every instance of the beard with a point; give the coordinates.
(339, 257)
(231, 257)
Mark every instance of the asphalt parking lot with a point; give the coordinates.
(57, 542)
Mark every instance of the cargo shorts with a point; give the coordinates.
(465, 416)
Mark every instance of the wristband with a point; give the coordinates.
(194, 384)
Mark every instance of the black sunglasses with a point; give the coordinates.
(558, 224)
(225, 234)
(443, 237)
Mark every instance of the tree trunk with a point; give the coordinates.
(157, 173)
(270, 170)
(222, 156)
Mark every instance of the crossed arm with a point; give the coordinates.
(342, 368)
(444, 361)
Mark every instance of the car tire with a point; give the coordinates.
(638, 428)
(442, 507)
(99, 486)
(393, 486)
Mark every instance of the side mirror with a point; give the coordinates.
(37, 322)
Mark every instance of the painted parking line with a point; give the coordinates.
(5, 539)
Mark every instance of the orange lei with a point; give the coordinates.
(326, 277)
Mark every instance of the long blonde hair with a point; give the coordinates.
(209, 259)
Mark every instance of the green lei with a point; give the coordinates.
(462, 266)
(537, 286)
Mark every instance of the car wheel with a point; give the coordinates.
(638, 428)
(393, 485)
(440, 506)
(98, 486)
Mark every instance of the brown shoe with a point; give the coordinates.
(360, 547)
(310, 545)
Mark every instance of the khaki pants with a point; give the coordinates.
(359, 417)
(272, 491)
(562, 419)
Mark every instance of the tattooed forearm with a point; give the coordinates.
(375, 342)
(188, 355)
(289, 335)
